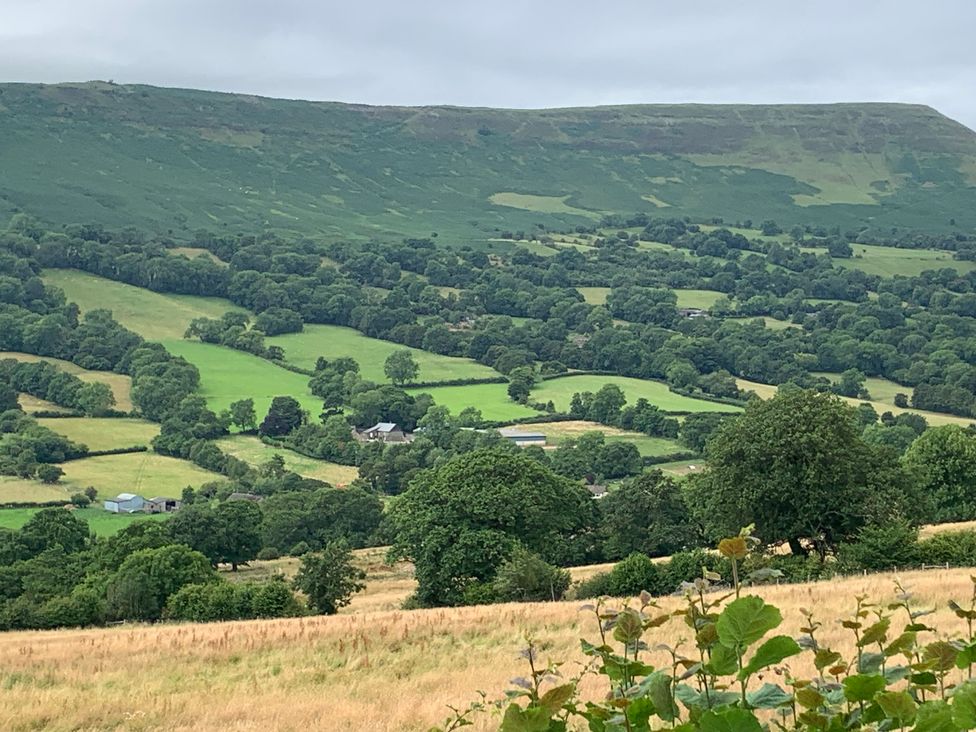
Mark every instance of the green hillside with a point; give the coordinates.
(175, 160)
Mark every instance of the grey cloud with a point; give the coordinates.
(506, 53)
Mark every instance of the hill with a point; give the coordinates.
(174, 161)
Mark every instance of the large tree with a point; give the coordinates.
(459, 522)
(329, 579)
(943, 461)
(797, 467)
(284, 415)
(400, 367)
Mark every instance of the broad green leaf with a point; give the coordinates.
(554, 699)
(696, 700)
(628, 628)
(639, 713)
(876, 633)
(935, 716)
(902, 645)
(870, 663)
(533, 719)
(966, 657)
(768, 696)
(731, 719)
(746, 620)
(898, 706)
(723, 661)
(964, 705)
(863, 687)
(659, 691)
(941, 654)
(809, 697)
(769, 653)
(824, 657)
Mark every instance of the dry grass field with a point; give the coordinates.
(377, 670)
(120, 384)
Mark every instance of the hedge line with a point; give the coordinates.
(456, 382)
(709, 397)
(76, 414)
(673, 457)
(113, 451)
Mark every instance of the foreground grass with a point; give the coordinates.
(561, 391)
(491, 399)
(100, 521)
(333, 341)
(120, 384)
(558, 432)
(103, 433)
(336, 672)
(251, 450)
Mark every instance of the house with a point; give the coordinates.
(597, 491)
(161, 504)
(252, 497)
(384, 432)
(523, 439)
(693, 313)
(125, 503)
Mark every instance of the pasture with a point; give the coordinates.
(539, 203)
(558, 432)
(252, 451)
(24, 490)
(491, 399)
(103, 433)
(156, 316)
(120, 384)
(880, 390)
(328, 672)
(227, 375)
(332, 341)
(560, 391)
(145, 473)
(889, 261)
(687, 298)
(101, 522)
(32, 404)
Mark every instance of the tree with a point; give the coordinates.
(459, 522)
(797, 467)
(145, 580)
(95, 399)
(646, 514)
(329, 578)
(400, 367)
(239, 523)
(697, 429)
(606, 404)
(243, 415)
(527, 577)
(851, 384)
(284, 415)
(520, 383)
(50, 474)
(52, 527)
(943, 460)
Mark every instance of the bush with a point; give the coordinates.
(957, 548)
(633, 575)
(300, 549)
(687, 566)
(269, 553)
(596, 586)
(886, 546)
(80, 500)
(526, 577)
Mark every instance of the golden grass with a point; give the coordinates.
(103, 433)
(31, 404)
(24, 490)
(383, 670)
(120, 384)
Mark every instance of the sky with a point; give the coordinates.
(509, 54)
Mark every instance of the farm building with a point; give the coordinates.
(523, 439)
(252, 497)
(160, 504)
(693, 313)
(125, 503)
(384, 432)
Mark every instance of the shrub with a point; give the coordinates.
(635, 574)
(596, 586)
(687, 567)
(957, 548)
(268, 553)
(526, 577)
(300, 549)
(879, 547)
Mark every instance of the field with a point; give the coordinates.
(120, 384)
(703, 299)
(31, 404)
(100, 521)
(254, 452)
(22, 490)
(329, 672)
(889, 261)
(557, 432)
(194, 252)
(881, 390)
(302, 349)
(594, 295)
(145, 473)
(155, 316)
(102, 433)
(561, 391)
(769, 322)
(935, 419)
(227, 375)
(491, 399)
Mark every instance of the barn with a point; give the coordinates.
(125, 503)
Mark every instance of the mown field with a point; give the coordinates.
(328, 672)
(251, 450)
(332, 341)
(558, 432)
(100, 521)
(145, 473)
(120, 384)
(889, 261)
(560, 392)
(102, 433)
(687, 298)
(935, 419)
(24, 490)
(491, 399)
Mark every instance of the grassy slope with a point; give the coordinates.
(254, 452)
(120, 385)
(293, 674)
(103, 433)
(99, 520)
(491, 399)
(558, 432)
(178, 160)
(145, 473)
(888, 261)
(332, 341)
(561, 391)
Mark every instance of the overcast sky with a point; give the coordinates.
(509, 54)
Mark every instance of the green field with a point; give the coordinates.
(103, 433)
(332, 341)
(120, 384)
(491, 399)
(227, 375)
(703, 299)
(558, 432)
(145, 473)
(153, 315)
(880, 390)
(100, 521)
(251, 450)
(889, 261)
(560, 392)
(594, 295)
(768, 321)
(23, 490)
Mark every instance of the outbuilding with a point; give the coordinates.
(523, 439)
(125, 503)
